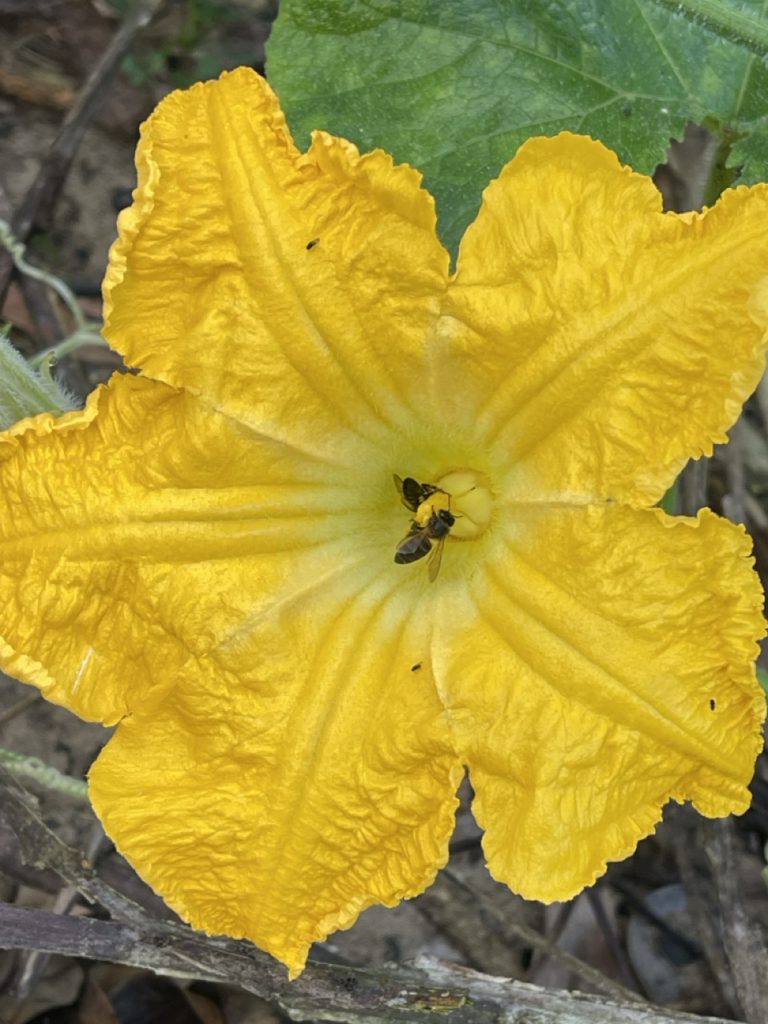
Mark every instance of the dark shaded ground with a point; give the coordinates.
(662, 923)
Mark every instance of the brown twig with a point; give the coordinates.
(692, 487)
(40, 91)
(761, 397)
(699, 894)
(735, 474)
(612, 944)
(42, 848)
(461, 917)
(34, 962)
(639, 905)
(21, 705)
(38, 203)
(324, 992)
(413, 994)
(744, 945)
(515, 931)
(42, 312)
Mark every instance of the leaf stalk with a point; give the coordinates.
(724, 20)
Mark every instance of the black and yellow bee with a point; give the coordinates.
(423, 538)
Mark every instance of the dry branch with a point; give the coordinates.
(744, 944)
(42, 194)
(407, 994)
(42, 848)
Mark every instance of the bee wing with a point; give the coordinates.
(400, 487)
(414, 545)
(411, 492)
(435, 559)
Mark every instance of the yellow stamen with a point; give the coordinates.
(471, 501)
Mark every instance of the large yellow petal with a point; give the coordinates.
(298, 773)
(292, 290)
(601, 666)
(136, 534)
(604, 341)
(283, 759)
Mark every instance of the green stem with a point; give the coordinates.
(23, 392)
(51, 778)
(721, 176)
(16, 250)
(724, 21)
(82, 336)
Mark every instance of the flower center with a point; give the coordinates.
(471, 502)
(459, 505)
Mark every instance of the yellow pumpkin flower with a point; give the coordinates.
(206, 553)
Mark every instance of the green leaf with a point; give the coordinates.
(454, 87)
(762, 677)
(669, 501)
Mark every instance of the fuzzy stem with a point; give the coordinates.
(45, 774)
(23, 392)
(724, 21)
(82, 336)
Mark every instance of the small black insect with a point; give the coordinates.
(416, 667)
(312, 243)
(712, 703)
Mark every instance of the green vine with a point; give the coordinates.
(725, 21)
(44, 774)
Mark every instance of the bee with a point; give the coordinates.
(426, 539)
(412, 493)
(418, 542)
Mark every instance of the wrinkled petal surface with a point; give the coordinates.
(601, 668)
(281, 766)
(205, 553)
(212, 286)
(605, 341)
(137, 533)
(297, 775)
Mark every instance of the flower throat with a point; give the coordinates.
(439, 510)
